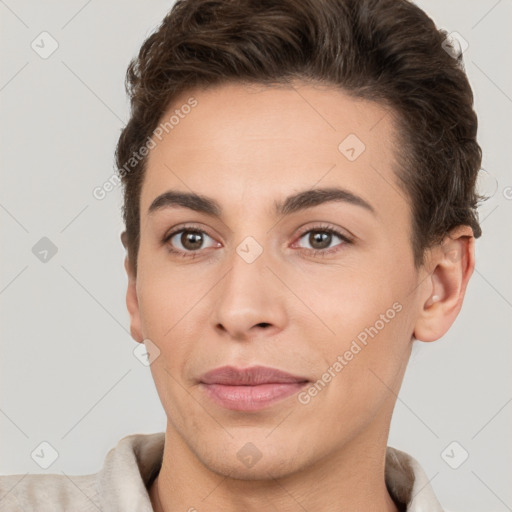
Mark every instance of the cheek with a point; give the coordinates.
(166, 307)
(167, 296)
(355, 300)
(370, 315)
(365, 366)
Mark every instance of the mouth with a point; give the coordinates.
(250, 389)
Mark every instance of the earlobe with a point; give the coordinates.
(132, 304)
(453, 263)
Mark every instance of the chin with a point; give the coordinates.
(250, 455)
(265, 468)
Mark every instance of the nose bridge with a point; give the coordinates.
(248, 265)
(247, 295)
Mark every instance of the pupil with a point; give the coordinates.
(318, 236)
(191, 239)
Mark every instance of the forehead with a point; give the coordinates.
(250, 141)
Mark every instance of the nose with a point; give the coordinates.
(249, 300)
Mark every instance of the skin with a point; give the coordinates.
(246, 147)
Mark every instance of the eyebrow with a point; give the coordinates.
(294, 203)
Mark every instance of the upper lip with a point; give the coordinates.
(231, 376)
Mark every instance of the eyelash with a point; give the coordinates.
(313, 252)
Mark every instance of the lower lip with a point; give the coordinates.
(251, 398)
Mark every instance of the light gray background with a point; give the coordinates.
(68, 374)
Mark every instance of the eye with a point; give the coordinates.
(187, 241)
(321, 238)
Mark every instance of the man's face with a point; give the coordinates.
(247, 288)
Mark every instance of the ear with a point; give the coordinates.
(453, 262)
(132, 301)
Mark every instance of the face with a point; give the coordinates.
(303, 263)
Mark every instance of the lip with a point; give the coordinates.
(250, 389)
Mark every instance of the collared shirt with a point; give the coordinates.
(132, 465)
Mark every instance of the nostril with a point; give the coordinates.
(263, 324)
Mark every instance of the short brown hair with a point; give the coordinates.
(387, 51)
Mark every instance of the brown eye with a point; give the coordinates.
(319, 239)
(188, 240)
(323, 241)
(191, 240)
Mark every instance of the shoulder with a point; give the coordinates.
(122, 481)
(51, 493)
